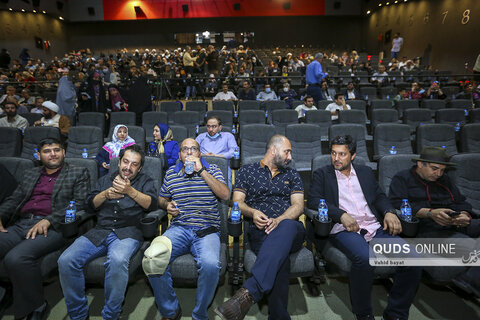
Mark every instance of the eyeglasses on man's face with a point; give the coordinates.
(192, 149)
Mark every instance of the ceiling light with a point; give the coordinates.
(387, 3)
(61, 18)
(368, 12)
(379, 4)
(43, 12)
(23, 10)
(10, 9)
(34, 11)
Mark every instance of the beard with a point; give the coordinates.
(57, 165)
(47, 115)
(279, 162)
(11, 114)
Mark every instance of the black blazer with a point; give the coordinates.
(324, 186)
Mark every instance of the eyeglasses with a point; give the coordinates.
(192, 149)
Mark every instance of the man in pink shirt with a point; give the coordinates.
(361, 211)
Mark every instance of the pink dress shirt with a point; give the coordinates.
(353, 202)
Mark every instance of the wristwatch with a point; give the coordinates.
(201, 170)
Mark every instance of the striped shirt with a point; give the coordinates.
(196, 201)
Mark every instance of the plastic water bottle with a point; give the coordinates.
(234, 130)
(196, 130)
(409, 96)
(431, 96)
(453, 96)
(23, 130)
(444, 147)
(71, 212)
(235, 214)
(85, 153)
(236, 153)
(322, 211)
(466, 112)
(406, 211)
(235, 115)
(35, 154)
(266, 113)
(457, 127)
(366, 97)
(388, 97)
(393, 150)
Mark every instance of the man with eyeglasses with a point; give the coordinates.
(191, 199)
(216, 143)
(361, 212)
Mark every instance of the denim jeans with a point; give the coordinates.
(81, 252)
(191, 91)
(206, 252)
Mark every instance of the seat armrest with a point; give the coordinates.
(159, 214)
(310, 213)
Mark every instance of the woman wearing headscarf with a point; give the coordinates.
(120, 140)
(117, 103)
(164, 145)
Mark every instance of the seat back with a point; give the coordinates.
(322, 104)
(436, 135)
(306, 140)
(84, 137)
(467, 177)
(474, 115)
(384, 116)
(10, 142)
(433, 105)
(126, 118)
(389, 166)
(251, 116)
(403, 105)
(225, 116)
(357, 105)
(470, 138)
(32, 117)
(272, 105)
(95, 119)
(17, 166)
(245, 105)
(33, 136)
(188, 119)
(223, 106)
(357, 131)
(282, 118)
(450, 116)
(180, 133)
(320, 118)
(197, 106)
(90, 164)
(150, 119)
(460, 104)
(170, 107)
(369, 93)
(416, 117)
(381, 104)
(352, 116)
(254, 138)
(388, 135)
(388, 93)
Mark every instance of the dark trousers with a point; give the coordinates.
(20, 258)
(270, 273)
(405, 281)
(315, 91)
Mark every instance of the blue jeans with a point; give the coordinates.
(191, 90)
(405, 280)
(206, 252)
(81, 252)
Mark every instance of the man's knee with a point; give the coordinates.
(209, 265)
(118, 260)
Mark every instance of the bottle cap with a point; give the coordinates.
(235, 203)
(403, 200)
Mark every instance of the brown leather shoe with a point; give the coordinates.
(236, 307)
(177, 315)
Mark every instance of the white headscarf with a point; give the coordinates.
(113, 147)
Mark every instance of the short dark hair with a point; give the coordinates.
(214, 117)
(48, 141)
(307, 97)
(338, 95)
(346, 140)
(134, 148)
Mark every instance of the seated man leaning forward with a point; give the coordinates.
(271, 195)
(441, 208)
(119, 199)
(361, 212)
(189, 194)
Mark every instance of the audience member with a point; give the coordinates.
(51, 118)
(415, 92)
(267, 94)
(352, 93)
(225, 94)
(120, 140)
(303, 108)
(12, 119)
(327, 93)
(314, 76)
(163, 144)
(246, 92)
(435, 92)
(288, 95)
(338, 105)
(380, 77)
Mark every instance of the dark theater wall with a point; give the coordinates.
(444, 32)
(109, 35)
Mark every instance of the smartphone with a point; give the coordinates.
(454, 214)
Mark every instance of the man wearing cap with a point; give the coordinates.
(441, 208)
(12, 119)
(361, 212)
(119, 201)
(314, 76)
(191, 199)
(51, 118)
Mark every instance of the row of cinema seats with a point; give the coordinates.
(302, 263)
(184, 268)
(306, 139)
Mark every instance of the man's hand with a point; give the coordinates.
(441, 216)
(392, 223)
(106, 165)
(37, 123)
(111, 194)
(260, 219)
(2, 229)
(121, 186)
(462, 220)
(349, 223)
(198, 164)
(40, 228)
(271, 224)
(172, 209)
